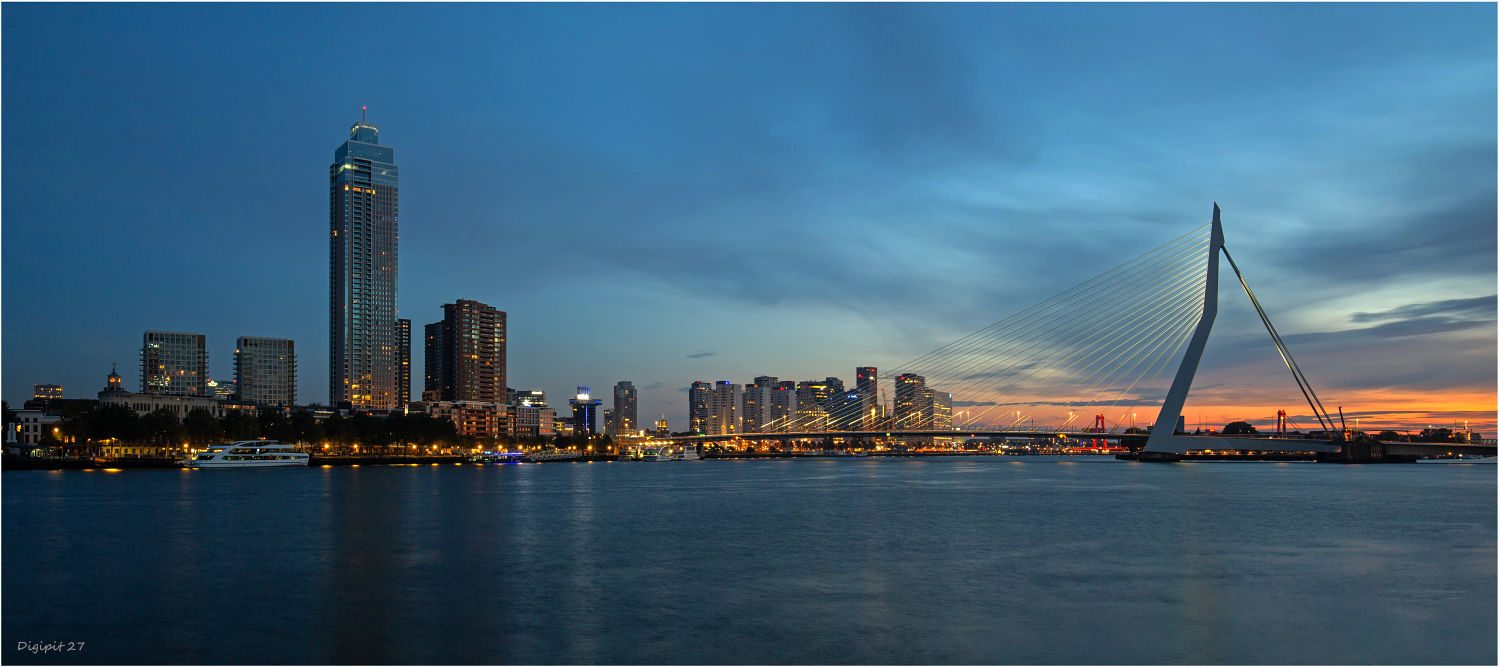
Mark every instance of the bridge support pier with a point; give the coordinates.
(1158, 457)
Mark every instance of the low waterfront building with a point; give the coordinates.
(532, 421)
(480, 419)
(31, 425)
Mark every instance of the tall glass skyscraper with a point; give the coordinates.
(363, 205)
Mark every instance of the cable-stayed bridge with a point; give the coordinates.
(1087, 363)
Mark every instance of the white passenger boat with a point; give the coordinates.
(248, 454)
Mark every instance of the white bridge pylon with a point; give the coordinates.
(1164, 442)
(1162, 438)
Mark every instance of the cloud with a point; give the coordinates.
(700, 355)
(653, 385)
(1482, 307)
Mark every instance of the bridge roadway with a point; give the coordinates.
(1134, 441)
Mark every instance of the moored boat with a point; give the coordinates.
(248, 454)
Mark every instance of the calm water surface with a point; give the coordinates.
(887, 561)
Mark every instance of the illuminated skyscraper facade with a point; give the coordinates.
(755, 405)
(723, 408)
(624, 413)
(363, 241)
(867, 382)
(913, 404)
(698, 407)
(403, 361)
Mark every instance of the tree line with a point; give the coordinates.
(85, 424)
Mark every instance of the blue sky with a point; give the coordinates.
(669, 193)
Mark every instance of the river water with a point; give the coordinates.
(993, 560)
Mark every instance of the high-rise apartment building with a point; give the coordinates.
(755, 406)
(698, 407)
(781, 408)
(911, 405)
(363, 209)
(432, 358)
(867, 381)
(173, 362)
(723, 408)
(466, 354)
(265, 370)
(624, 410)
(403, 362)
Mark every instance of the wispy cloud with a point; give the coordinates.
(1478, 308)
(700, 355)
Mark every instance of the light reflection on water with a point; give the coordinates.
(990, 560)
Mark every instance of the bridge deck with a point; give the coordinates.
(1184, 442)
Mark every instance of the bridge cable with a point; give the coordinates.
(1286, 354)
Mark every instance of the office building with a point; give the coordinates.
(174, 363)
(535, 397)
(625, 409)
(846, 411)
(867, 382)
(755, 406)
(223, 390)
(363, 211)
(723, 408)
(46, 392)
(584, 411)
(466, 354)
(815, 403)
(911, 406)
(698, 407)
(403, 362)
(942, 410)
(532, 420)
(265, 370)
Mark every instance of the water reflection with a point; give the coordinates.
(769, 562)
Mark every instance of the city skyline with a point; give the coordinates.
(1358, 181)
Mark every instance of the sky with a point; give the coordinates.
(679, 192)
